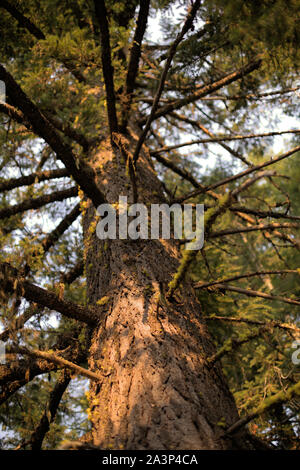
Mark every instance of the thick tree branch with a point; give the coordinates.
(17, 373)
(134, 59)
(38, 177)
(15, 376)
(107, 68)
(22, 20)
(19, 322)
(57, 360)
(47, 243)
(63, 127)
(10, 278)
(82, 173)
(16, 370)
(15, 114)
(38, 202)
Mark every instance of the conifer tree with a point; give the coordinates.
(151, 345)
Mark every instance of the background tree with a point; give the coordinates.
(96, 108)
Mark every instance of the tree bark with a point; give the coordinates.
(158, 390)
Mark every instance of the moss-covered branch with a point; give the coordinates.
(36, 177)
(55, 359)
(11, 279)
(38, 202)
(280, 397)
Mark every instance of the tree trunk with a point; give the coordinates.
(158, 391)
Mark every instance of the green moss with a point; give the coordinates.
(187, 258)
(104, 300)
(279, 397)
(222, 423)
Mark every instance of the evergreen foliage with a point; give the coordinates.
(56, 60)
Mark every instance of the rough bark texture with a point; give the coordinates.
(158, 391)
